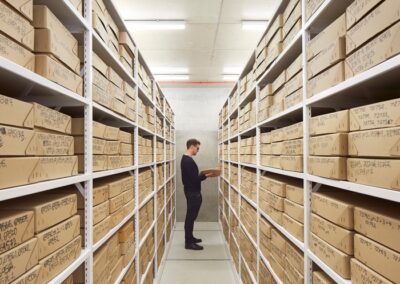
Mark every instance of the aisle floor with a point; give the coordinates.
(211, 265)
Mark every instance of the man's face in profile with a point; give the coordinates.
(195, 149)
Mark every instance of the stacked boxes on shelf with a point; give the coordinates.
(112, 147)
(224, 114)
(249, 253)
(113, 200)
(146, 218)
(40, 236)
(159, 126)
(145, 81)
(36, 143)
(246, 84)
(358, 232)
(169, 155)
(234, 176)
(112, 257)
(159, 151)
(233, 148)
(225, 172)
(160, 201)
(146, 115)
(111, 91)
(264, 273)
(160, 252)
(248, 150)
(248, 216)
(146, 183)
(234, 127)
(247, 115)
(146, 148)
(159, 98)
(283, 148)
(160, 176)
(234, 199)
(146, 253)
(225, 132)
(130, 276)
(169, 113)
(160, 225)
(248, 185)
(225, 155)
(233, 102)
(291, 22)
(311, 7)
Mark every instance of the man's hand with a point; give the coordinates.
(210, 175)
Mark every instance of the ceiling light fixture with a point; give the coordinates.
(232, 70)
(156, 24)
(171, 77)
(254, 25)
(170, 70)
(230, 77)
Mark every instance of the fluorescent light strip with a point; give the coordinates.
(232, 70)
(155, 25)
(254, 25)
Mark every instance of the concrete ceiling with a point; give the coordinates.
(213, 38)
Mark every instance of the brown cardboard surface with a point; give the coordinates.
(101, 96)
(29, 277)
(292, 19)
(278, 82)
(294, 210)
(292, 274)
(276, 148)
(276, 25)
(52, 42)
(292, 33)
(118, 106)
(126, 137)
(100, 80)
(295, 257)
(374, 172)
(58, 236)
(18, 260)
(99, 64)
(334, 258)
(24, 7)
(275, 201)
(98, 24)
(101, 229)
(277, 135)
(379, 222)
(357, 10)
(294, 191)
(378, 257)
(126, 149)
(363, 143)
(78, 5)
(327, 79)
(294, 67)
(320, 277)
(311, 7)
(15, 112)
(328, 167)
(43, 18)
(275, 184)
(99, 163)
(50, 119)
(116, 203)
(334, 206)
(116, 270)
(101, 211)
(383, 16)
(114, 77)
(100, 194)
(125, 40)
(329, 145)
(336, 29)
(16, 26)
(330, 123)
(49, 209)
(111, 133)
(293, 99)
(295, 228)
(382, 47)
(289, 9)
(59, 260)
(295, 83)
(370, 116)
(266, 149)
(16, 227)
(278, 269)
(292, 163)
(361, 274)
(100, 263)
(15, 52)
(292, 147)
(334, 235)
(35, 169)
(330, 55)
(56, 72)
(111, 148)
(117, 217)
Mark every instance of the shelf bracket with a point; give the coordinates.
(80, 188)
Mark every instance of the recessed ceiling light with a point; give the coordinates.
(169, 70)
(230, 70)
(230, 77)
(254, 25)
(156, 25)
(171, 77)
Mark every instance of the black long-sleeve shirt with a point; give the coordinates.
(190, 175)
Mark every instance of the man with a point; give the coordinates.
(192, 187)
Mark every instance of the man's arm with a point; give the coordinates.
(190, 171)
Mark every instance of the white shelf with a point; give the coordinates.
(295, 241)
(113, 231)
(298, 175)
(67, 14)
(146, 130)
(253, 166)
(141, 241)
(252, 203)
(253, 242)
(125, 270)
(290, 111)
(147, 199)
(110, 116)
(147, 165)
(70, 269)
(276, 278)
(332, 274)
(383, 193)
(253, 279)
(19, 80)
(24, 190)
(113, 172)
(147, 269)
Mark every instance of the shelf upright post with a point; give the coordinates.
(165, 169)
(155, 185)
(258, 183)
(307, 185)
(88, 150)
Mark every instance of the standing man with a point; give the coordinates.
(192, 187)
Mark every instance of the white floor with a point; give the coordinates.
(211, 265)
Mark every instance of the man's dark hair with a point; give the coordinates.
(191, 142)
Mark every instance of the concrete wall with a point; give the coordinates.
(196, 116)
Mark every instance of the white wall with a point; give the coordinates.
(196, 116)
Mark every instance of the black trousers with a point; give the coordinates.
(193, 201)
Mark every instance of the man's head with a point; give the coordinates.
(192, 146)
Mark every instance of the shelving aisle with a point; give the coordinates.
(304, 138)
(96, 185)
(212, 265)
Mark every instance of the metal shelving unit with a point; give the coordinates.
(334, 97)
(33, 87)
